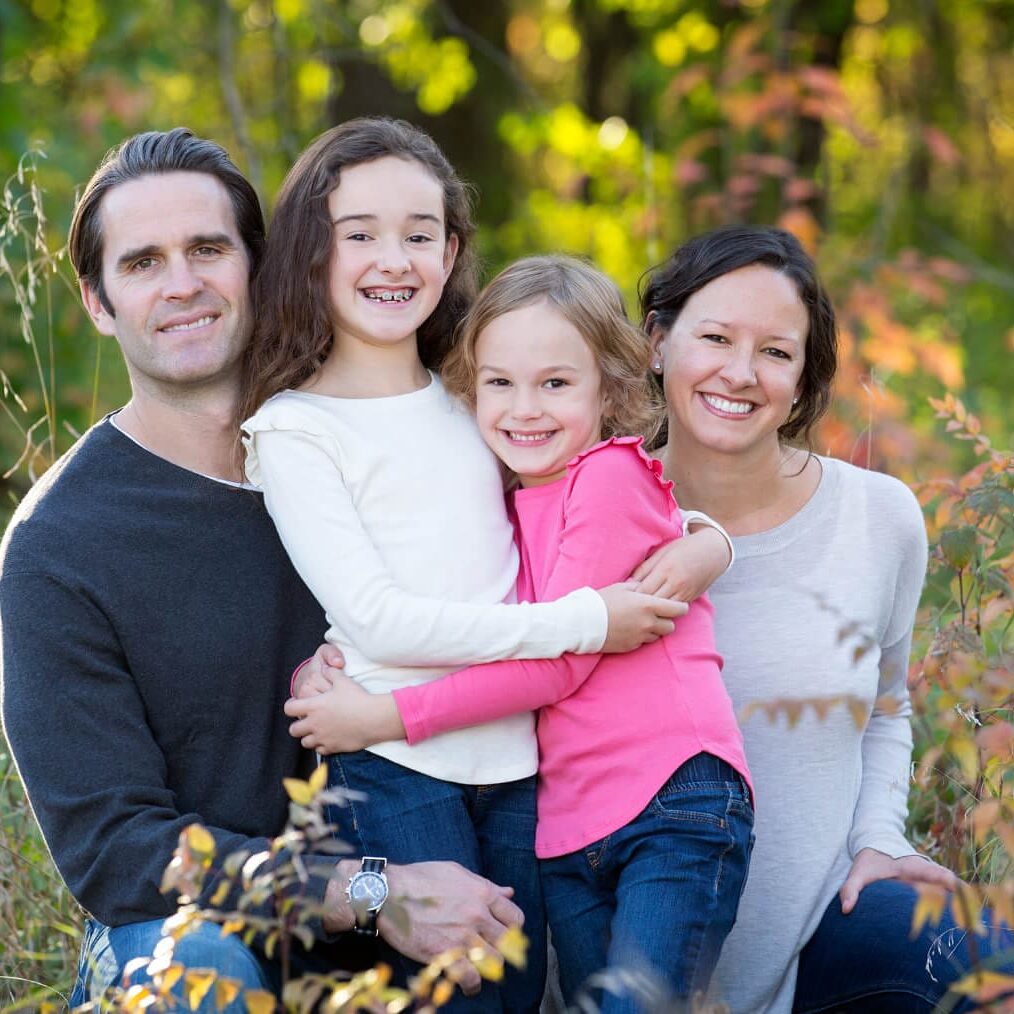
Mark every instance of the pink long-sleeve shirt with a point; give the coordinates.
(612, 728)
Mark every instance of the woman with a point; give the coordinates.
(815, 625)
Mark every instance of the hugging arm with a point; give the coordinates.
(334, 554)
(604, 537)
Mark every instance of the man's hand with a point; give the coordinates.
(344, 718)
(635, 618)
(447, 907)
(316, 674)
(870, 865)
(685, 568)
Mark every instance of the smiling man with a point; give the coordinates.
(149, 613)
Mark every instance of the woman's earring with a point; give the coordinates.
(795, 401)
(657, 366)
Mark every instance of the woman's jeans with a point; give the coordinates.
(867, 961)
(409, 817)
(653, 902)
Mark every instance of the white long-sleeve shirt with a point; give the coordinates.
(392, 511)
(820, 607)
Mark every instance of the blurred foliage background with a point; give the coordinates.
(880, 131)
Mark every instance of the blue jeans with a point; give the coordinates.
(106, 950)
(653, 902)
(409, 817)
(867, 960)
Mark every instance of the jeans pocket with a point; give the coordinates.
(97, 967)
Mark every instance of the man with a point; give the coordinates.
(149, 612)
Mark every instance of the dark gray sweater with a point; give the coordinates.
(150, 620)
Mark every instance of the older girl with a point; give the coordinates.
(644, 811)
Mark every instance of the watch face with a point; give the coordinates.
(369, 889)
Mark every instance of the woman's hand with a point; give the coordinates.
(870, 865)
(316, 674)
(344, 718)
(685, 568)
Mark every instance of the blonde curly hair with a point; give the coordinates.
(591, 302)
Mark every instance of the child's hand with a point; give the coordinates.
(344, 718)
(686, 568)
(316, 674)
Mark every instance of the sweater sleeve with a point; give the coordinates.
(637, 522)
(321, 530)
(879, 819)
(91, 764)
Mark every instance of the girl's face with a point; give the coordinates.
(538, 392)
(391, 256)
(733, 360)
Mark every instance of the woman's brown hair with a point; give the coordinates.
(293, 331)
(709, 256)
(592, 303)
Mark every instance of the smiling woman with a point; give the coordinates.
(830, 561)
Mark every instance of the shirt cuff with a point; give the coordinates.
(700, 518)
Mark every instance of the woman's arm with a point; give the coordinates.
(877, 840)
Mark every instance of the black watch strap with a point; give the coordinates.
(368, 926)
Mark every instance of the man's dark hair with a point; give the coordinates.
(152, 154)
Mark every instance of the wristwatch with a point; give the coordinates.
(367, 892)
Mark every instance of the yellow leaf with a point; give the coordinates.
(488, 963)
(1005, 832)
(138, 998)
(299, 791)
(966, 906)
(513, 945)
(167, 979)
(196, 983)
(318, 779)
(984, 816)
(220, 893)
(199, 840)
(226, 990)
(857, 709)
(984, 985)
(231, 926)
(929, 908)
(793, 710)
(259, 1001)
(442, 992)
(966, 753)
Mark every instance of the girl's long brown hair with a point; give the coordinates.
(292, 333)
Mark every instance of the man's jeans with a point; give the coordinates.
(867, 961)
(105, 951)
(409, 817)
(658, 897)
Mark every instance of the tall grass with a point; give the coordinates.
(40, 924)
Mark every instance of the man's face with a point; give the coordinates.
(176, 275)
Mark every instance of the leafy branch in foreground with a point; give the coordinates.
(963, 806)
(281, 874)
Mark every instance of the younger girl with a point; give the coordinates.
(644, 812)
(391, 507)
